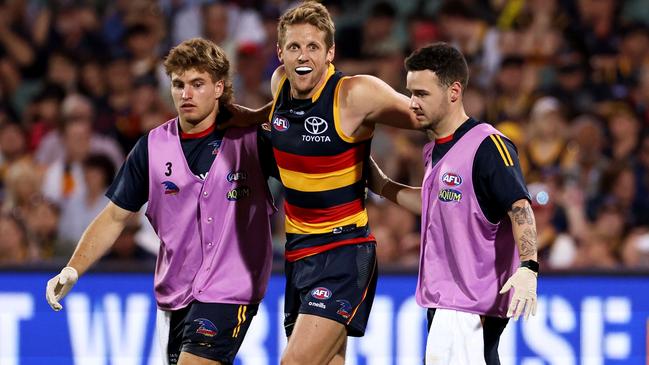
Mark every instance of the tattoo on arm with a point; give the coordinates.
(527, 243)
(522, 215)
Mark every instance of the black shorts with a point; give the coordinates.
(492, 328)
(338, 284)
(210, 330)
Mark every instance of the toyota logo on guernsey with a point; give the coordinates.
(315, 126)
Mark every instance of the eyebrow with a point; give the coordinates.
(177, 81)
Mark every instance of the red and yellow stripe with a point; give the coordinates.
(320, 173)
(319, 164)
(301, 253)
(299, 226)
(322, 215)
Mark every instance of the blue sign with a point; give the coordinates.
(110, 319)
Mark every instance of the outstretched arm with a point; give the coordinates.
(95, 241)
(368, 100)
(99, 237)
(406, 196)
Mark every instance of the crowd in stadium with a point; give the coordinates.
(566, 80)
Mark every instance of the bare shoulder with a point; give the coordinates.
(363, 84)
(362, 90)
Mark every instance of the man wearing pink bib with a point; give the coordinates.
(478, 236)
(209, 204)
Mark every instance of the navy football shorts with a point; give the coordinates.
(213, 331)
(338, 284)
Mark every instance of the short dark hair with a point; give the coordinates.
(444, 60)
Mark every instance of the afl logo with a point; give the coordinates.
(280, 124)
(315, 125)
(452, 179)
(321, 293)
(237, 176)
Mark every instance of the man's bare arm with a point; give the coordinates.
(99, 237)
(406, 196)
(367, 100)
(524, 229)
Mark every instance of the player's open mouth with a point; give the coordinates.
(303, 70)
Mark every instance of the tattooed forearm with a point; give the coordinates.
(524, 229)
(522, 215)
(527, 244)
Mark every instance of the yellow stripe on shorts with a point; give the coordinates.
(241, 317)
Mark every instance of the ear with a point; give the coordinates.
(279, 53)
(218, 88)
(455, 92)
(331, 53)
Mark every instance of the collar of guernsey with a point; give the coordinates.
(323, 171)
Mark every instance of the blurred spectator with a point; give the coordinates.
(422, 30)
(546, 144)
(509, 102)
(71, 28)
(398, 235)
(572, 85)
(14, 245)
(62, 70)
(270, 19)
(141, 44)
(44, 113)
(585, 160)
(93, 84)
(635, 252)
(126, 246)
(463, 26)
(249, 88)
(13, 147)
(74, 137)
(230, 25)
(79, 211)
(624, 130)
(15, 33)
(42, 222)
(600, 245)
(617, 187)
(475, 102)
(642, 180)
(22, 186)
(594, 32)
(371, 47)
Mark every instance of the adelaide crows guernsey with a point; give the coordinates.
(323, 171)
